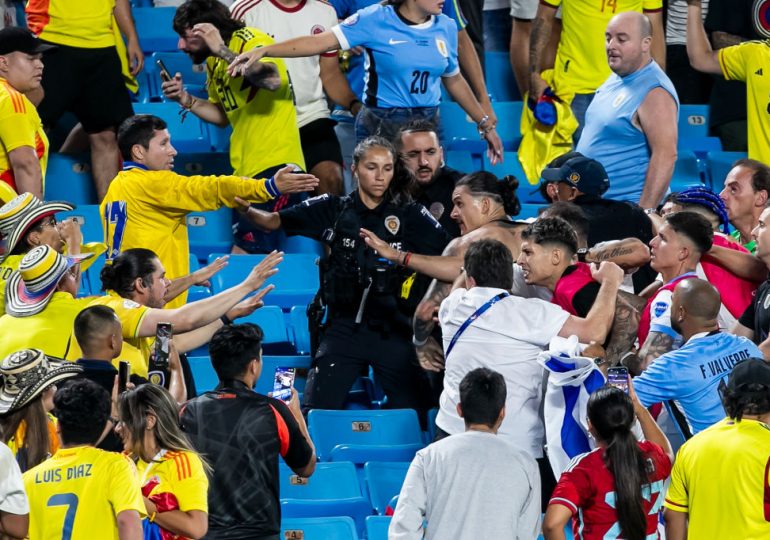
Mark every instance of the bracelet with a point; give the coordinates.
(225, 320)
(417, 343)
(114, 420)
(151, 519)
(649, 211)
(483, 122)
(406, 259)
(190, 103)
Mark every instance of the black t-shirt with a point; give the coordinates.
(616, 220)
(406, 227)
(728, 98)
(242, 433)
(757, 315)
(437, 198)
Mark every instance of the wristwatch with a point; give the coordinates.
(649, 211)
(582, 254)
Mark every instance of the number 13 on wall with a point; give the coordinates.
(609, 5)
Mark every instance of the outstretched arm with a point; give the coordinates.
(702, 57)
(299, 47)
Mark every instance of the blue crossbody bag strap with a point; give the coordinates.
(469, 321)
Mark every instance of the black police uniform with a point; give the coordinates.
(370, 301)
(437, 198)
(757, 315)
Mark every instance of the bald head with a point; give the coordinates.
(628, 39)
(699, 298)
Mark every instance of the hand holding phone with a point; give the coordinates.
(283, 383)
(165, 75)
(618, 377)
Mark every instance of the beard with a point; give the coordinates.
(200, 56)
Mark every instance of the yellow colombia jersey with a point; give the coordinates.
(265, 132)
(178, 479)
(78, 493)
(50, 330)
(20, 126)
(581, 59)
(725, 495)
(148, 209)
(750, 62)
(85, 23)
(136, 350)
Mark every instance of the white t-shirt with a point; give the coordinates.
(307, 18)
(13, 498)
(507, 338)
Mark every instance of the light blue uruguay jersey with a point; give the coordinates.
(691, 375)
(403, 62)
(346, 8)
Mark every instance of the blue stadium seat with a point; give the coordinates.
(459, 131)
(269, 363)
(326, 528)
(719, 164)
(296, 282)
(501, 82)
(188, 134)
(146, 83)
(196, 292)
(462, 161)
(210, 232)
(204, 164)
(300, 334)
(693, 121)
(204, 375)
(332, 490)
(155, 29)
(377, 527)
(90, 220)
(509, 122)
(384, 480)
(329, 481)
(193, 75)
(526, 192)
(68, 178)
(687, 172)
(301, 244)
(270, 319)
(220, 138)
(386, 434)
(701, 146)
(431, 433)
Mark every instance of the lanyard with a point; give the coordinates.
(476, 314)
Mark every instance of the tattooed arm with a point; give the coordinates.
(628, 310)
(430, 353)
(657, 343)
(541, 33)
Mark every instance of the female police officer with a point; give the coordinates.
(368, 298)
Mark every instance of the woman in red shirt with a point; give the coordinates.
(588, 491)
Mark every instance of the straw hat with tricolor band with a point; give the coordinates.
(29, 289)
(20, 214)
(27, 373)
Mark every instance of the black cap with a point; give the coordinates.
(18, 39)
(750, 371)
(585, 174)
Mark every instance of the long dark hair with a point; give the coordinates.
(125, 268)
(400, 187)
(37, 443)
(612, 414)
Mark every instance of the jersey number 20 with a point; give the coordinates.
(419, 82)
(70, 500)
